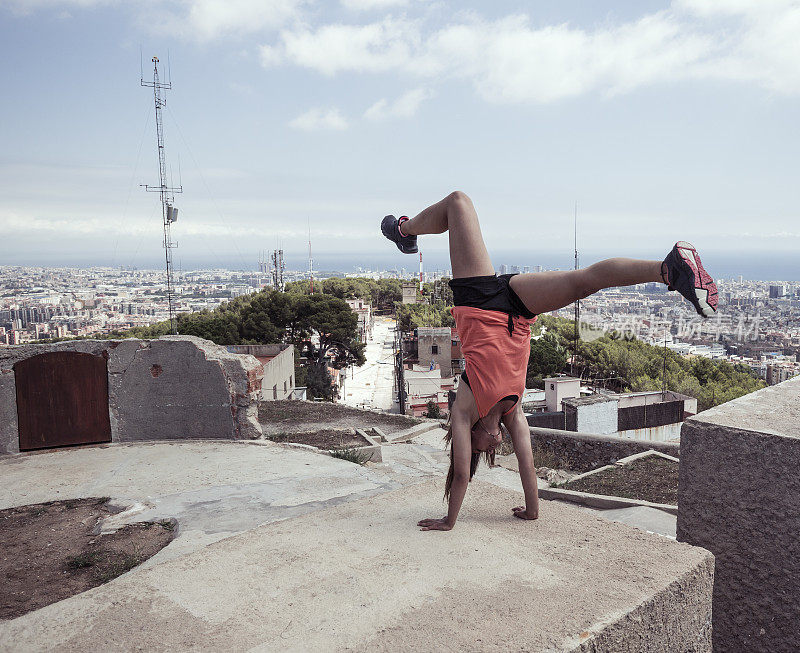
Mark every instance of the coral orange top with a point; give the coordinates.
(496, 349)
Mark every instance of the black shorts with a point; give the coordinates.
(491, 293)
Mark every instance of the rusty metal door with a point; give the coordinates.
(62, 399)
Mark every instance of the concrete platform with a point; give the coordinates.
(361, 576)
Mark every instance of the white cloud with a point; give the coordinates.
(205, 20)
(319, 119)
(405, 106)
(25, 7)
(509, 60)
(270, 56)
(370, 5)
(375, 47)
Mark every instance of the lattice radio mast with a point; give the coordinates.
(278, 269)
(169, 213)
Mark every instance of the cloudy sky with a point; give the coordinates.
(662, 120)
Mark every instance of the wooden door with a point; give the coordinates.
(62, 399)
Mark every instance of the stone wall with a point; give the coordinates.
(171, 388)
(739, 497)
(583, 452)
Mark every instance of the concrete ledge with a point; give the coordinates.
(360, 576)
(414, 431)
(602, 501)
(739, 497)
(374, 450)
(626, 461)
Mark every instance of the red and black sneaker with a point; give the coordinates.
(686, 274)
(390, 227)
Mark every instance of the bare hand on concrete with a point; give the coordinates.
(522, 513)
(434, 524)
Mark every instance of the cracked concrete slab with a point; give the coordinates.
(360, 576)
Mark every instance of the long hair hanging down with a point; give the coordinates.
(473, 464)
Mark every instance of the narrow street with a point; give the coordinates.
(370, 386)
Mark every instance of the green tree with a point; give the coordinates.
(433, 410)
(547, 358)
(319, 384)
(325, 331)
(413, 316)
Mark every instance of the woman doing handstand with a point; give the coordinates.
(493, 315)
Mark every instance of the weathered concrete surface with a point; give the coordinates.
(646, 518)
(217, 487)
(739, 497)
(171, 388)
(9, 427)
(360, 576)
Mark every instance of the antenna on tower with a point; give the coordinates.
(277, 268)
(169, 213)
(576, 336)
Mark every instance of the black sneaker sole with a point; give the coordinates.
(389, 229)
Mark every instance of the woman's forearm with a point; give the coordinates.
(530, 486)
(520, 433)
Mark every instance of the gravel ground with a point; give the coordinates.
(306, 416)
(648, 479)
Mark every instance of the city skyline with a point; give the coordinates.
(663, 120)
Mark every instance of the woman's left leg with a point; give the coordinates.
(548, 291)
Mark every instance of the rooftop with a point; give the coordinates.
(284, 549)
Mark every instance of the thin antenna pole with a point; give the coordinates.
(310, 260)
(576, 335)
(664, 373)
(166, 193)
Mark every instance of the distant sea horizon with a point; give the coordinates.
(752, 266)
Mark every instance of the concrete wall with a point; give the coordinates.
(596, 414)
(558, 388)
(739, 497)
(666, 433)
(583, 452)
(171, 388)
(278, 365)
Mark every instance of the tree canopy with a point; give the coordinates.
(381, 293)
(322, 328)
(632, 365)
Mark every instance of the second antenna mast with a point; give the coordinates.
(169, 213)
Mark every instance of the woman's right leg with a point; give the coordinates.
(456, 215)
(542, 292)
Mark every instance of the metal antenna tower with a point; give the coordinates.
(576, 335)
(277, 269)
(169, 213)
(262, 267)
